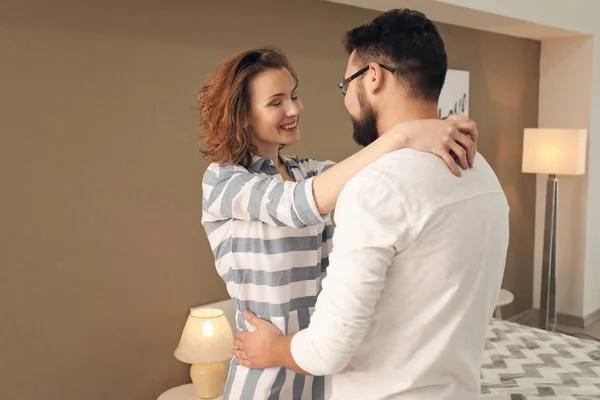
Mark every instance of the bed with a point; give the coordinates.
(523, 363)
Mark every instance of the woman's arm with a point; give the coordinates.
(450, 138)
(231, 191)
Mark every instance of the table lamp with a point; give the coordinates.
(553, 152)
(206, 343)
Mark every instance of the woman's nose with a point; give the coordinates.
(293, 110)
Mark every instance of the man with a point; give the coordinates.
(418, 253)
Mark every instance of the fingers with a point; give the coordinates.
(465, 142)
(457, 117)
(450, 162)
(244, 363)
(239, 351)
(238, 344)
(466, 127)
(241, 354)
(460, 153)
(471, 153)
(253, 319)
(464, 124)
(474, 133)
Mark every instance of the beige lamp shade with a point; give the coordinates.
(207, 337)
(554, 151)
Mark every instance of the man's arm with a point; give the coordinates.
(372, 226)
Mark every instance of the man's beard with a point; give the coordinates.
(365, 128)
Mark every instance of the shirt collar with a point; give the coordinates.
(258, 163)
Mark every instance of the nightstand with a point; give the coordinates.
(183, 392)
(504, 299)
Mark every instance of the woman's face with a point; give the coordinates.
(274, 110)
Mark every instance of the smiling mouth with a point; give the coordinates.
(289, 127)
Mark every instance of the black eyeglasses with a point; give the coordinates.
(343, 85)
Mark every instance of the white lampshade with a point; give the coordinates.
(554, 151)
(207, 337)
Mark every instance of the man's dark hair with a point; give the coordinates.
(407, 40)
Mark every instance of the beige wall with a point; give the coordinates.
(565, 76)
(504, 89)
(102, 251)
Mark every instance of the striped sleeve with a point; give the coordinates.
(231, 191)
(312, 166)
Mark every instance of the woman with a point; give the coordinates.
(266, 215)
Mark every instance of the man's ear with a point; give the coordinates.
(375, 78)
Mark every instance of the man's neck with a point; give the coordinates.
(398, 112)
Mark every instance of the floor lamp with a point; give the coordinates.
(552, 152)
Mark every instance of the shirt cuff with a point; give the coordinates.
(305, 205)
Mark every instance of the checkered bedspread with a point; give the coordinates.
(523, 363)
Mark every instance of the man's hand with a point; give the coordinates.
(254, 349)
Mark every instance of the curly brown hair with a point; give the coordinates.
(224, 103)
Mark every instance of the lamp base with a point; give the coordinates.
(209, 379)
(548, 287)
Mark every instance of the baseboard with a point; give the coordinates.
(591, 318)
(527, 316)
(571, 320)
(580, 322)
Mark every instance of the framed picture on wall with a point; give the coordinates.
(454, 98)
